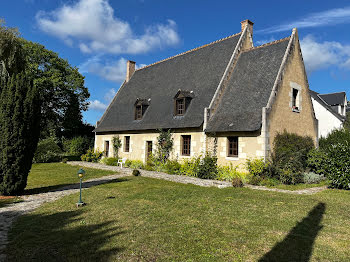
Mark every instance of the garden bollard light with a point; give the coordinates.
(81, 173)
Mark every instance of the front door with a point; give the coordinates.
(148, 150)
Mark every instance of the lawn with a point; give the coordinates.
(144, 219)
(45, 177)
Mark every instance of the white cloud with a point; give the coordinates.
(328, 17)
(112, 71)
(97, 105)
(264, 41)
(321, 55)
(93, 25)
(110, 95)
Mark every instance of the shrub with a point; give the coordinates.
(208, 168)
(291, 176)
(47, 151)
(78, 146)
(110, 161)
(148, 168)
(190, 166)
(312, 178)
(257, 167)
(136, 164)
(291, 150)
(335, 137)
(315, 161)
(172, 167)
(337, 165)
(237, 182)
(92, 156)
(64, 160)
(117, 144)
(136, 172)
(270, 182)
(165, 142)
(255, 180)
(227, 173)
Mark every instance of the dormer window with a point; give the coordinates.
(141, 106)
(182, 101)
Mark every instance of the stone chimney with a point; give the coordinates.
(249, 23)
(130, 69)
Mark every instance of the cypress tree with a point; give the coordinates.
(19, 126)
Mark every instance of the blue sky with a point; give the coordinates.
(98, 36)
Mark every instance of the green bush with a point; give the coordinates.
(290, 175)
(255, 180)
(335, 137)
(208, 168)
(78, 146)
(47, 151)
(337, 165)
(136, 172)
(172, 167)
(92, 156)
(257, 167)
(315, 161)
(291, 150)
(110, 161)
(227, 173)
(136, 164)
(190, 167)
(269, 182)
(312, 178)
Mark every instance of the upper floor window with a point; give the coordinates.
(141, 106)
(182, 102)
(232, 142)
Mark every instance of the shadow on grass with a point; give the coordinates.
(63, 187)
(62, 236)
(298, 244)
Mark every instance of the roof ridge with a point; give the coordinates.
(189, 51)
(267, 44)
(333, 93)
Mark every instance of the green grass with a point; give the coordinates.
(5, 202)
(299, 186)
(144, 219)
(45, 177)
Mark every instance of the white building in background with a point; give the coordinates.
(330, 111)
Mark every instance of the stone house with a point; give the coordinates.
(330, 111)
(227, 97)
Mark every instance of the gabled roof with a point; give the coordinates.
(318, 97)
(199, 70)
(249, 89)
(333, 99)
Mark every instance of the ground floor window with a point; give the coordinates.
(106, 148)
(126, 143)
(232, 146)
(186, 145)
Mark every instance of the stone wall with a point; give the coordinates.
(281, 116)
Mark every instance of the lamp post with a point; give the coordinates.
(81, 173)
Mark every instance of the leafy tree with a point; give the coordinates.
(62, 89)
(11, 52)
(19, 127)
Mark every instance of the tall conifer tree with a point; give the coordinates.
(19, 126)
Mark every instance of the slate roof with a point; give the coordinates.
(333, 99)
(249, 89)
(199, 71)
(319, 98)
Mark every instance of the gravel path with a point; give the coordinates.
(9, 213)
(194, 180)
